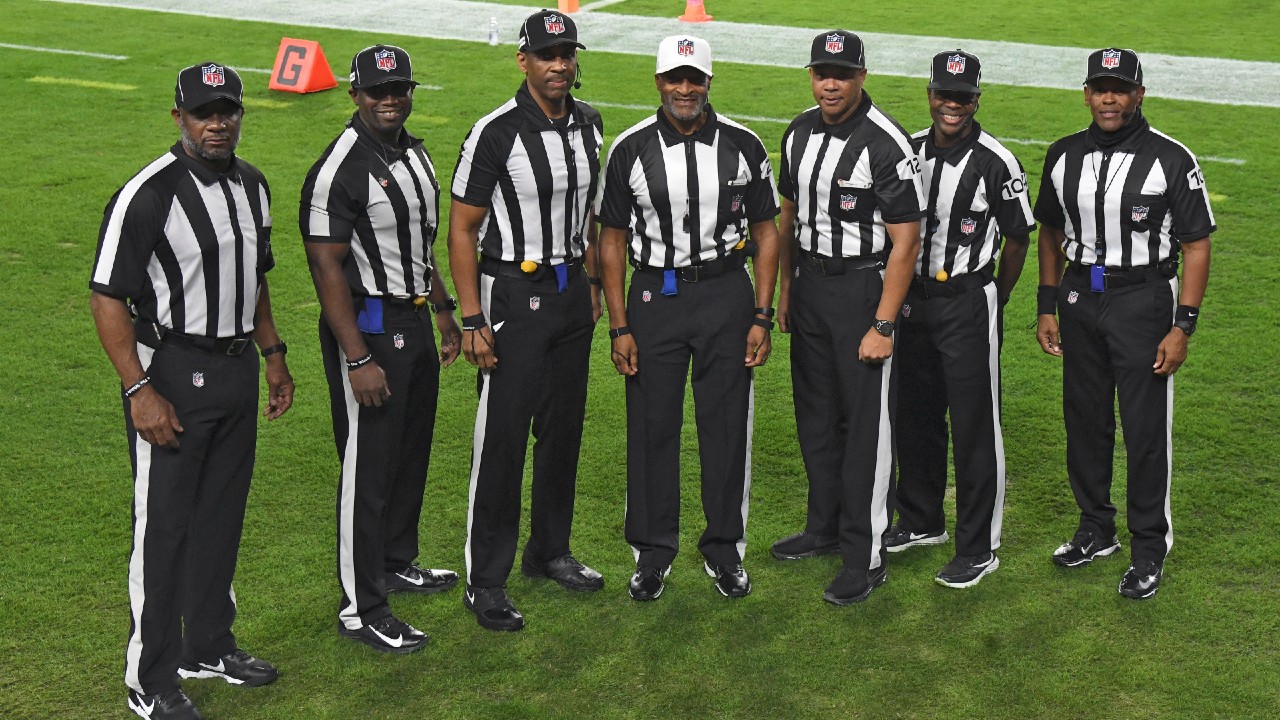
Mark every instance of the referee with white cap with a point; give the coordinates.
(952, 326)
(682, 190)
(179, 296)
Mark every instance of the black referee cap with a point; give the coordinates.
(956, 70)
(381, 64)
(545, 28)
(838, 47)
(1116, 63)
(206, 82)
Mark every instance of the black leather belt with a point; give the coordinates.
(841, 265)
(1123, 277)
(152, 335)
(701, 271)
(516, 268)
(952, 286)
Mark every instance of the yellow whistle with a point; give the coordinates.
(528, 266)
(741, 244)
(420, 301)
(941, 276)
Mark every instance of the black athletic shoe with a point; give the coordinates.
(566, 571)
(966, 570)
(731, 580)
(236, 667)
(421, 580)
(493, 608)
(172, 705)
(853, 586)
(1083, 548)
(388, 634)
(647, 582)
(804, 545)
(898, 538)
(1142, 579)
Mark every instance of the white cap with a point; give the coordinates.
(681, 50)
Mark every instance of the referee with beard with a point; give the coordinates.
(368, 216)
(179, 295)
(952, 326)
(1120, 201)
(522, 196)
(684, 187)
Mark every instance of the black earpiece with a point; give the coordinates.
(577, 79)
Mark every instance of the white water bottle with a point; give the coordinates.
(493, 31)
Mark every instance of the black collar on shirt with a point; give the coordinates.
(536, 119)
(845, 127)
(1127, 138)
(952, 155)
(204, 173)
(705, 134)
(391, 153)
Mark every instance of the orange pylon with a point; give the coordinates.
(568, 6)
(694, 11)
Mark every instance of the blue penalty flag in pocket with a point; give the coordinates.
(562, 277)
(669, 283)
(1097, 278)
(369, 320)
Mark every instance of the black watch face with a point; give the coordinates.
(884, 327)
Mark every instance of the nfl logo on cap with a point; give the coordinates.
(213, 75)
(554, 23)
(1110, 59)
(386, 60)
(848, 202)
(955, 64)
(684, 47)
(835, 43)
(1139, 213)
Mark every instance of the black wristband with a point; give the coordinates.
(1186, 313)
(449, 304)
(765, 311)
(593, 280)
(277, 348)
(360, 362)
(1046, 300)
(134, 388)
(765, 323)
(474, 322)
(615, 333)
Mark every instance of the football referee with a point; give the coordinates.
(522, 195)
(851, 209)
(1119, 201)
(685, 186)
(179, 295)
(952, 326)
(368, 216)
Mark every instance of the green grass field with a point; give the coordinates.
(1031, 641)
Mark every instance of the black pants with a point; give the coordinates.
(385, 452)
(1109, 343)
(707, 323)
(844, 411)
(948, 358)
(543, 344)
(188, 511)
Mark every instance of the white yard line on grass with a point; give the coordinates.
(1177, 77)
(60, 51)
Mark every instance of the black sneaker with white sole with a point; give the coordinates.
(421, 580)
(898, 538)
(566, 570)
(854, 586)
(731, 580)
(1142, 579)
(493, 609)
(804, 544)
(236, 667)
(966, 570)
(171, 705)
(1083, 548)
(648, 582)
(388, 634)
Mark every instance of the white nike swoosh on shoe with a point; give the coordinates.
(471, 599)
(1147, 582)
(498, 325)
(216, 668)
(397, 642)
(144, 708)
(408, 579)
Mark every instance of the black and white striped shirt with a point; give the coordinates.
(535, 176)
(187, 246)
(384, 201)
(977, 193)
(848, 180)
(1129, 206)
(686, 199)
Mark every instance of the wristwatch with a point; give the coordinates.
(884, 327)
(448, 304)
(1186, 326)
